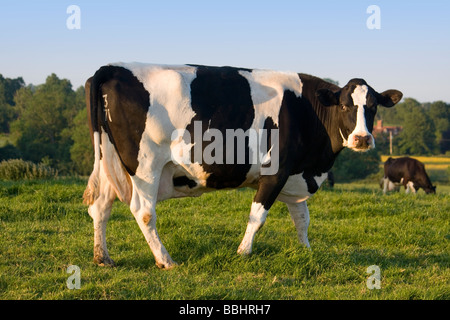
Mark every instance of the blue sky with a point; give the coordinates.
(411, 51)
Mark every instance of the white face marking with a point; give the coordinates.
(359, 100)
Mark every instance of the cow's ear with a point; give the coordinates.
(327, 97)
(389, 98)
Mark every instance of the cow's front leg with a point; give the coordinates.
(268, 190)
(300, 216)
(410, 187)
(256, 220)
(142, 206)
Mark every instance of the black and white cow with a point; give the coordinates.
(407, 172)
(162, 132)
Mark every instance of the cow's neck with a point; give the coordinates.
(326, 116)
(329, 120)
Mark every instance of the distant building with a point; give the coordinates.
(391, 130)
(379, 128)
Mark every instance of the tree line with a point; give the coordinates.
(47, 124)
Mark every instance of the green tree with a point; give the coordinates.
(439, 113)
(45, 118)
(8, 88)
(81, 152)
(418, 134)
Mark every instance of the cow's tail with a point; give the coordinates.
(92, 190)
(95, 110)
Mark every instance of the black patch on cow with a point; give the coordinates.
(184, 181)
(221, 99)
(310, 182)
(269, 125)
(123, 111)
(305, 144)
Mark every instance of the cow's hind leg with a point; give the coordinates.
(142, 206)
(300, 216)
(100, 212)
(385, 184)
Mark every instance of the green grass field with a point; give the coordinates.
(44, 228)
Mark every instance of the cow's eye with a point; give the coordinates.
(343, 107)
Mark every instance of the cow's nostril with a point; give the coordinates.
(363, 141)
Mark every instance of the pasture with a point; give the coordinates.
(44, 228)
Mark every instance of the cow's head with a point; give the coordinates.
(356, 105)
(430, 189)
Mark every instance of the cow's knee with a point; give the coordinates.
(146, 218)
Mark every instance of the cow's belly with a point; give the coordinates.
(190, 180)
(296, 188)
(177, 182)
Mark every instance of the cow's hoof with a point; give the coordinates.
(243, 251)
(104, 262)
(166, 266)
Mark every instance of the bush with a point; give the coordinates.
(351, 165)
(18, 169)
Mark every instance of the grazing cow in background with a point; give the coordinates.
(156, 128)
(408, 172)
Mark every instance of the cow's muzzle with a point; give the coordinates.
(361, 142)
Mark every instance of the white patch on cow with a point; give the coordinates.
(116, 173)
(170, 97)
(359, 100)
(389, 185)
(169, 114)
(256, 220)
(267, 92)
(295, 189)
(410, 187)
